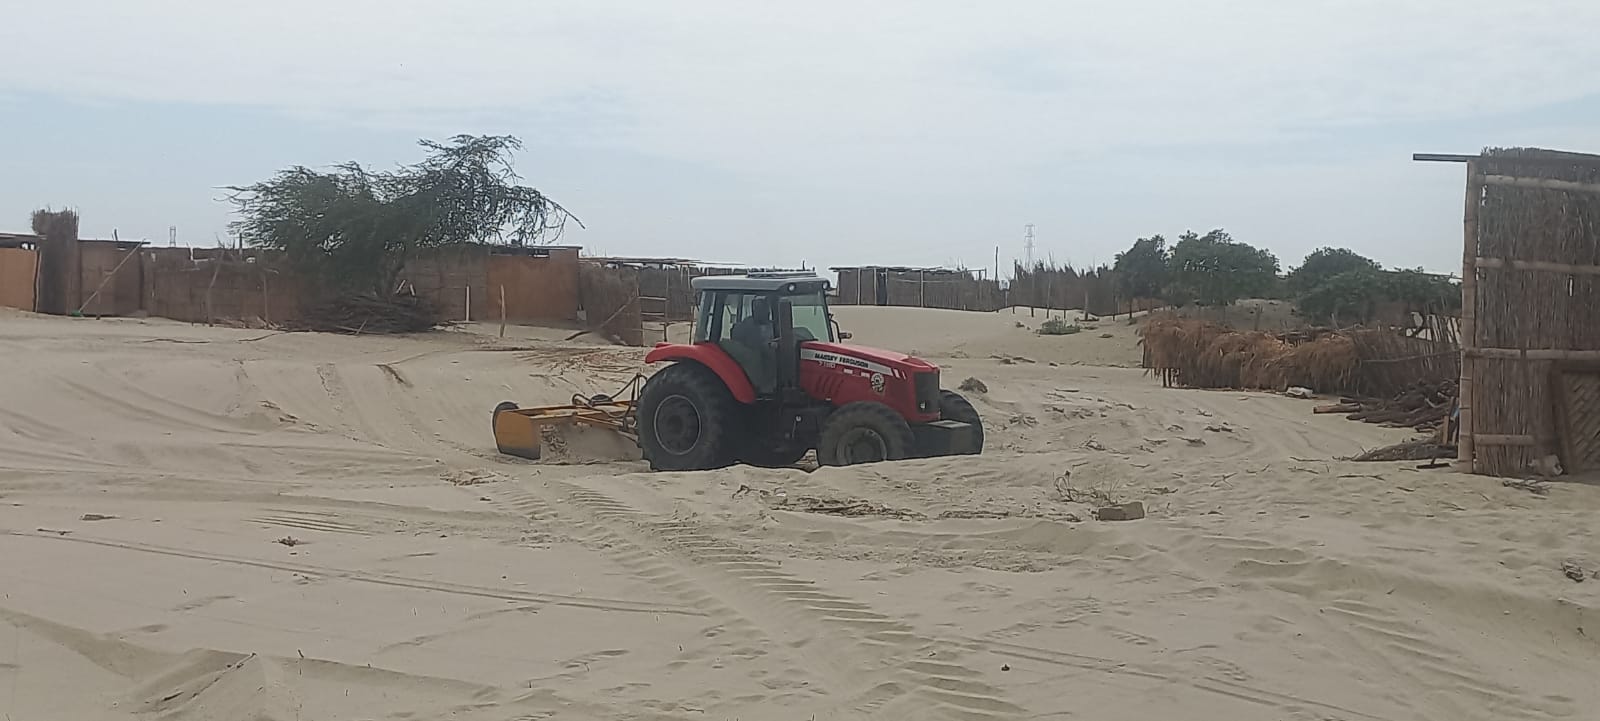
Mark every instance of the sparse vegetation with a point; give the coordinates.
(1211, 269)
(1337, 286)
(1142, 269)
(1058, 326)
(1323, 264)
(1348, 297)
(1214, 269)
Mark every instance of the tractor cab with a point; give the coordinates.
(761, 319)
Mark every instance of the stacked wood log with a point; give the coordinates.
(369, 314)
(1423, 406)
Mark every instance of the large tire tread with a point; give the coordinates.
(718, 418)
(896, 433)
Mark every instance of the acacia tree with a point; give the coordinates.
(1214, 269)
(354, 229)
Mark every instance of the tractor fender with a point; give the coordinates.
(713, 358)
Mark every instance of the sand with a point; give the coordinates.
(209, 523)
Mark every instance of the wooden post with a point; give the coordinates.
(1049, 295)
(502, 311)
(1469, 318)
(468, 317)
(216, 265)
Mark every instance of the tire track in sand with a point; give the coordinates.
(880, 665)
(744, 636)
(381, 579)
(1398, 646)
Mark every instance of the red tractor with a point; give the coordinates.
(766, 379)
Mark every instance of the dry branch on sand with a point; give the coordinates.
(1423, 449)
(369, 314)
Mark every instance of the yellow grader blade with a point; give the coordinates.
(601, 429)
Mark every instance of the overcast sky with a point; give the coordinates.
(912, 133)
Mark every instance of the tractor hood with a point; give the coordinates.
(874, 359)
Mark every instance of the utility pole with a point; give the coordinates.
(1027, 250)
(1027, 244)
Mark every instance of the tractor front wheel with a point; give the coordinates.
(686, 419)
(864, 432)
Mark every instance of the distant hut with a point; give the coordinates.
(953, 288)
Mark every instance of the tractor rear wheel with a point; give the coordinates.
(864, 432)
(954, 407)
(686, 419)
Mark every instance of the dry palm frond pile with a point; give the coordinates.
(1200, 354)
(1244, 360)
(1173, 347)
(1326, 363)
(369, 314)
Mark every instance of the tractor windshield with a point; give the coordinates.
(719, 313)
(810, 317)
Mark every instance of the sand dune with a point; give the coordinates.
(206, 523)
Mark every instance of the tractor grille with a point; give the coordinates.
(927, 386)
